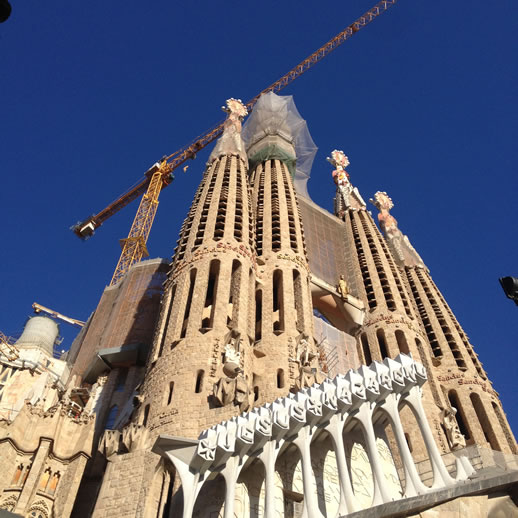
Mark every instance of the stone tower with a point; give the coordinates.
(406, 313)
(449, 356)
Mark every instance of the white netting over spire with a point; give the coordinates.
(275, 115)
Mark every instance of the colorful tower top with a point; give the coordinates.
(404, 252)
(231, 143)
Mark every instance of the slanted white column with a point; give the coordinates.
(413, 484)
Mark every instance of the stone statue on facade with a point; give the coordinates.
(342, 288)
(399, 244)
(308, 371)
(453, 433)
(341, 176)
(232, 388)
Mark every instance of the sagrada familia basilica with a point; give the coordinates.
(288, 362)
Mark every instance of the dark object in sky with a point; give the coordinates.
(5, 10)
(510, 287)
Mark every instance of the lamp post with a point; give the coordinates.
(510, 287)
(5, 10)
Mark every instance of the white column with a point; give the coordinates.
(303, 441)
(381, 494)
(413, 484)
(348, 503)
(441, 477)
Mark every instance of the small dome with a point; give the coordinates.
(39, 332)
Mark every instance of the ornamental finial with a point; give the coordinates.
(235, 108)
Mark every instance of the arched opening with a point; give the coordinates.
(44, 480)
(211, 498)
(358, 462)
(401, 342)
(258, 315)
(365, 348)
(389, 453)
(250, 490)
(17, 475)
(278, 302)
(325, 469)
(382, 343)
(459, 416)
(112, 415)
(198, 387)
(256, 393)
(289, 482)
(207, 319)
(503, 425)
(297, 294)
(233, 298)
(145, 415)
(170, 393)
(192, 279)
(280, 378)
(165, 321)
(485, 423)
(51, 489)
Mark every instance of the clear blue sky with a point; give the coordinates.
(423, 101)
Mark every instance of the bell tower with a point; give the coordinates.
(453, 365)
(204, 334)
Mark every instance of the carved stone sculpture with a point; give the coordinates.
(340, 175)
(453, 433)
(399, 244)
(307, 368)
(342, 288)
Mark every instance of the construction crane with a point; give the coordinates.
(7, 347)
(160, 174)
(38, 308)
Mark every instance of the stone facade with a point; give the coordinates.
(267, 297)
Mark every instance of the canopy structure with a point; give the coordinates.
(277, 116)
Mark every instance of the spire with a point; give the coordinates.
(399, 244)
(344, 188)
(231, 143)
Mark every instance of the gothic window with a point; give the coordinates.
(365, 348)
(278, 302)
(199, 382)
(380, 335)
(145, 415)
(430, 333)
(51, 488)
(166, 317)
(192, 278)
(17, 475)
(297, 293)
(459, 416)
(276, 215)
(44, 480)
(401, 342)
(260, 210)
(110, 420)
(233, 299)
(170, 393)
(280, 378)
(210, 296)
(362, 261)
(258, 314)
(485, 423)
